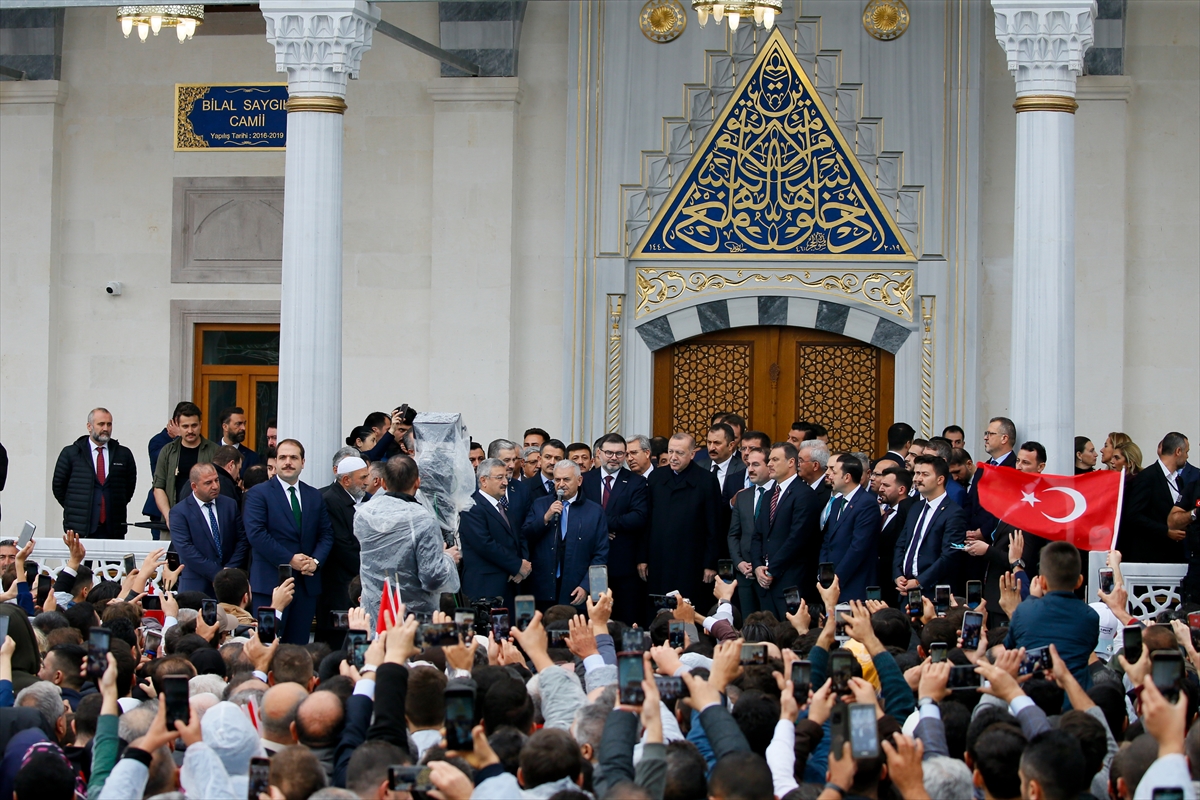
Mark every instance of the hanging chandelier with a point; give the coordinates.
(183, 17)
(762, 11)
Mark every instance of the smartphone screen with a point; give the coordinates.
(4, 629)
(99, 640)
(285, 572)
(974, 594)
(153, 640)
(864, 731)
(175, 688)
(410, 779)
(1036, 660)
(791, 596)
(972, 629)
(825, 574)
(801, 680)
(633, 640)
(964, 676)
(500, 624)
(675, 633)
(669, 688)
(267, 623)
(356, 648)
(915, 603)
(725, 569)
(152, 602)
(840, 670)
(525, 611)
(465, 620)
(260, 777)
(172, 560)
(874, 593)
(130, 563)
(1166, 669)
(630, 673)
(1107, 580)
(460, 719)
(1132, 641)
(438, 634)
(341, 619)
(941, 600)
(664, 601)
(26, 534)
(937, 652)
(754, 654)
(208, 610)
(598, 581)
(1167, 793)
(841, 613)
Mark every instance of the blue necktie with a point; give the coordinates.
(212, 523)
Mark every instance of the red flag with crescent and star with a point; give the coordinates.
(1084, 510)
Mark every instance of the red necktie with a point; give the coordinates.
(101, 477)
(607, 490)
(775, 502)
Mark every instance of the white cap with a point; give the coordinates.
(1110, 626)
(350, 464)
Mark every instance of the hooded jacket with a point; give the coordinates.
(75, 478)
(229, 736)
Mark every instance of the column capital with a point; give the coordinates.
(319, 43)
(1044, 41)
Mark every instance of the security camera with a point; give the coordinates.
(113, 287)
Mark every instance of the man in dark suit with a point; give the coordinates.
(94, 480)
(542, 484)
(516, 496)
(900, 437)
(495, 556)
(622, 495)
(940, 446)
(228, 461)
(928, 551)
(787, 537)
(342, 498)
(1153, 493)
(206, 531)
(725, 461)
(233, 433)
(998, 440)
(748, 506)
(681, 549)
(565, 537)
(894, 504)
(851, 533)
(287, 523)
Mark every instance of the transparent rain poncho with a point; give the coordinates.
(443, 449)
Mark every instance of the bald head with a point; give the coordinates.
(279, 711)
(319, 720)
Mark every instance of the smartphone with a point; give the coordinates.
(208, 611)
(175, 689)
(285, 572)
(864, 731)
(915, 603)
(964, 677)
(974, 594)
(267, 624)
(1167, 793)
(633, 640)
(410, 779)
(840, 671)
(725, 569)
(874, 593)
(664, 601)
(1132, 642)
(465, 620)
(841, 614)
(791, 596)
(26, 534)
(172, 560)
(675, 635)
(1036, 660)
(801, 680)
(460, 718)
(99, 640)
(525, 611)
(130, 563)
(356, 648)
(341, 619)
(669, 688)
(500, 626)
(152, 602)
(598, 581)
(1193, 620)
(825, 574)
(1166, 669)
(1107, 580)
(630, 673)
(839, 726)
(4, 631)
(557, 638)
(754, 654)
(152, 641)
(440, 634)
(972, 629)
(937, 652)
(260, 777)
(44, 586)
(941, 599)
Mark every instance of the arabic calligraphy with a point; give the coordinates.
(774, 177)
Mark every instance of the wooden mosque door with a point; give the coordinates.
(773, 376)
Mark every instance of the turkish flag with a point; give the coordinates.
(1084, 510)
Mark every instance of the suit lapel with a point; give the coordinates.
(285, 504)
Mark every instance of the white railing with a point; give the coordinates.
(104, 556)
(1152, 587)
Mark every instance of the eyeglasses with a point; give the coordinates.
(986, 434)
(613, 453)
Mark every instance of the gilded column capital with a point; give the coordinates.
(1045, 41)
(319, 43)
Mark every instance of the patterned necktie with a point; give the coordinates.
(828, 508)
(212, 524)
(910, 560)
(607, 491)
(295, 507)
(101, 477)
(775, 502)
(502, 507)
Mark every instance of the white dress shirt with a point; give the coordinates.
(722, 470)
(919, 535)
(286, 486)
(204, 512)
(96, 448)
(1172, 481)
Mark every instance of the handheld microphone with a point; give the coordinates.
(561, 493)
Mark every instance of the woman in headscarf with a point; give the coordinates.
(26, 660)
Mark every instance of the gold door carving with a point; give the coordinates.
(708, 377)
(838, 387)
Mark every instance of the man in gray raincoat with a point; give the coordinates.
(400, 539)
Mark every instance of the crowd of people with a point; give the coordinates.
(632, 618)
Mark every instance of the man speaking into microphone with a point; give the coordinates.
(567, 533)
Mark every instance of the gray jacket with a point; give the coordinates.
(400, 539)
(505, 787)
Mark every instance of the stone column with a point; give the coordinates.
(1045, 41)
(319, 44)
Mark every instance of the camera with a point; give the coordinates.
(113, 288)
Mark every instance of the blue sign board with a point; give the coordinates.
(231, 116)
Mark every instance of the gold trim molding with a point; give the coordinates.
(612, 395)
(928, 309)
(890, 292)
(328, 105)
(1046, 102)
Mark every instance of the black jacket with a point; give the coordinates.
(229, 487)
(342, 565)
(75, 478)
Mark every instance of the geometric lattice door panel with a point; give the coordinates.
(838, 386)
